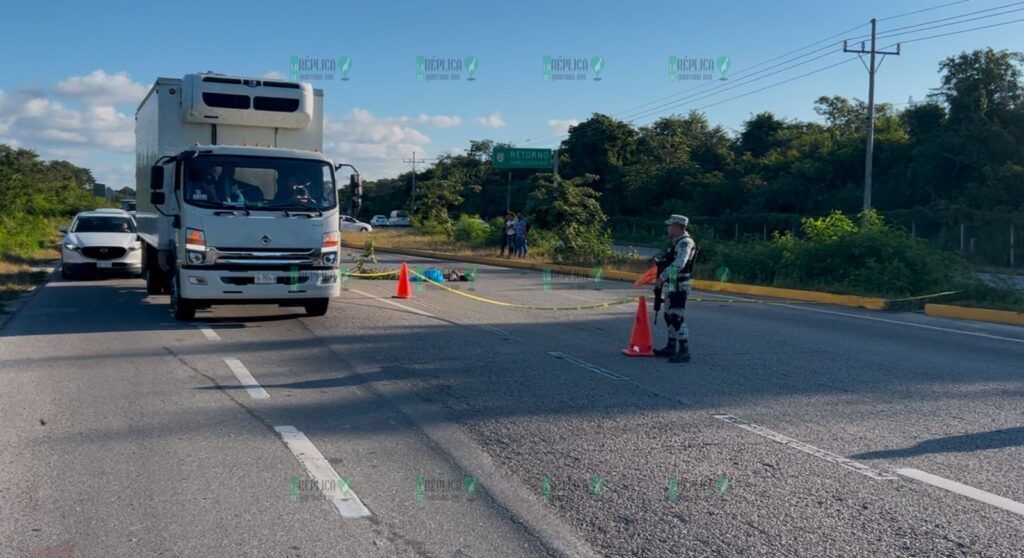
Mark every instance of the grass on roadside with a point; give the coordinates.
(17, 275)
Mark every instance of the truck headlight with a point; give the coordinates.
(194, 258)
(330, 258)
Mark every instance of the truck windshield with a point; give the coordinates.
(259, 183)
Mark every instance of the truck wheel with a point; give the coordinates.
(184, 309)
(317, 307)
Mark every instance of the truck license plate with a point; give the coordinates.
(265, 278)
(106, 265)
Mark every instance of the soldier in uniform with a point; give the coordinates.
(674, 268)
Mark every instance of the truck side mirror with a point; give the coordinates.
(156, 178)
(157, 198)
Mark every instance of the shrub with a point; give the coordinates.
(471, 229)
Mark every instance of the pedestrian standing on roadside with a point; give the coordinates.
(505, 238)
(522, 228)
(510, 232)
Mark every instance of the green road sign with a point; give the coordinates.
(520, 158)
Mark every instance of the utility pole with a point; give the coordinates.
(872, 68)
(413, 162)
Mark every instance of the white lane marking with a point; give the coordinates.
(963, 490)
(209, 333)
(807, 448)
(336, 491)
(395, 304)
(245, 378)
(588, 366)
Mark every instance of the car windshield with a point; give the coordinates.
(94, 224)
(259, 183)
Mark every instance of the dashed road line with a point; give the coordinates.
(245, 379)
(963, 490)
(588, 366)
(209, 333)
(335, 490)
(807, 448)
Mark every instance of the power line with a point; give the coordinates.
(891, 34)
(596, 135)
(924, 10)
(707, 86)
(709, 91)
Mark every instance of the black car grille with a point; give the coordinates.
(103, 252)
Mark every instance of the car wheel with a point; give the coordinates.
(317, 307)
(184, 310)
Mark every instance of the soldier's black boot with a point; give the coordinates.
(682, 354)
(668, 350)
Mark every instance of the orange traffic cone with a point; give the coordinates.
(640, 342)
(404, 290)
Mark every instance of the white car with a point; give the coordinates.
(399, 218)
(349, 223)
(379, 221)
(101, 241)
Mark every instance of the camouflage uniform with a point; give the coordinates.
(675, 289)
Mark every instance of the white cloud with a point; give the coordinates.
(493, 121)
(375, 145)
(272, 74)
(439, 121)
(99, 87)
(560, 127)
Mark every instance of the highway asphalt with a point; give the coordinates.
(464, 428)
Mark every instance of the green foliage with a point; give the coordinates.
(471, 229)
(571, 210)
(36, 197)
(837, 255)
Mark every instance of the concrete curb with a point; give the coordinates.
(869, 303)
(976, 314)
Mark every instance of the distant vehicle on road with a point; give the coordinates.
(379, 221)
(399, 218)
(128, 204)
(101, 241)
(349, 223)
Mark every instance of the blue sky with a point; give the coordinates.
(76, 70)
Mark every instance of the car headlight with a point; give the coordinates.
(135, 247)
(70, 246)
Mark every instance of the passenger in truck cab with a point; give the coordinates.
(203, 186)
(294, 191)
(238, 191)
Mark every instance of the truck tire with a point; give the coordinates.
(184, 310)
(317, 307)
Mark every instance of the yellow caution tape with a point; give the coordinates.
(350, 274)
(523, 306)
(621, 301)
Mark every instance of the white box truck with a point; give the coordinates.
(236, 202)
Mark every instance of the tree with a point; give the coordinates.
(570, 208)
